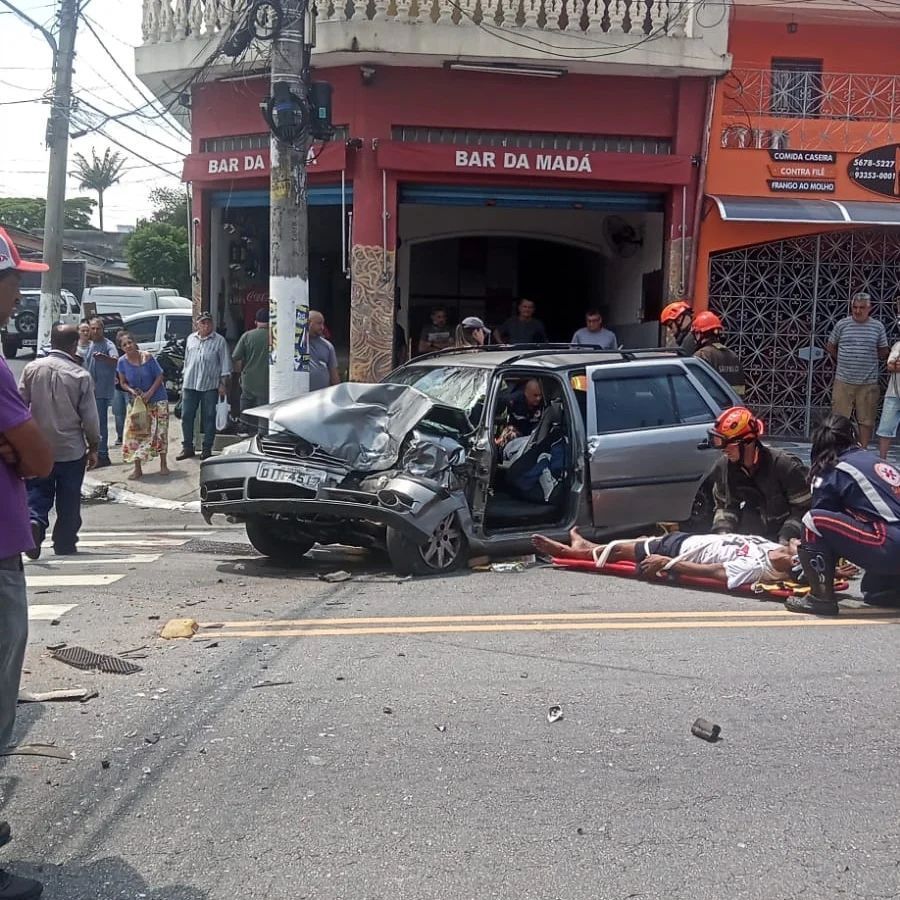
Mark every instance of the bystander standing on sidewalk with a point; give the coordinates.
(251, 362)
(857, 344)
(207, 368)
(142, 377)
(595, 333)
(120, 399)
(24, 452)
(323, 367)
(523, 328)
(60, 394)
(100, 360)
(84, 337)
(890, 412)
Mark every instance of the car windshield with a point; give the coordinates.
(459, 386)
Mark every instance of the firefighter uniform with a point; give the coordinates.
(856, 515)
(770, 501)
(725, 362)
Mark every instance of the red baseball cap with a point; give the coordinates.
(10, 259)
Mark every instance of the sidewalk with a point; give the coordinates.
(178, 491)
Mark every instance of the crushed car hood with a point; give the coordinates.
(362, 424)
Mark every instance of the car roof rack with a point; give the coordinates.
(530, 351)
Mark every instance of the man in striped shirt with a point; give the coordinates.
(207, 368)
(857, 344)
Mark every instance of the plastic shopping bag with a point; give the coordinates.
(222, 410)
(138, 424)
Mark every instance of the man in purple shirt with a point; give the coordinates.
(23, 453)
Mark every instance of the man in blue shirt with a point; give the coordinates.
(100, 360)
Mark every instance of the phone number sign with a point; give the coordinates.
(878, 170)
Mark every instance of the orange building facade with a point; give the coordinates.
(802, 205)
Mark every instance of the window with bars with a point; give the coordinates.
(235, 142)
(796, 88)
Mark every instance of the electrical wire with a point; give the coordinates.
(130, 128)
(149, 162)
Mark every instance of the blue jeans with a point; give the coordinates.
(62, 486)
(206, 402)
(13, 638)
(103, 413)
(120, 408)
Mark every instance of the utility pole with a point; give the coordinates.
(58, 142)
(289, 226)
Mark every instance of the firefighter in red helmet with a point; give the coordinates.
(707, 330)
(676, 319)
(756, 489)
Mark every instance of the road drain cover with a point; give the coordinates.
(87, 659)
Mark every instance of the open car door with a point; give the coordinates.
(644, 425)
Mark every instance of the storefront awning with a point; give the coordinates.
(808, 211)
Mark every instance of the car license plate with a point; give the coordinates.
(304, 478)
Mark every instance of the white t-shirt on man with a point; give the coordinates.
(746, 559)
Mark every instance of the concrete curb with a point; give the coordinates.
(92, 489)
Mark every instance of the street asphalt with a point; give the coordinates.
(352, 740)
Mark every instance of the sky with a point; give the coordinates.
(25, 77)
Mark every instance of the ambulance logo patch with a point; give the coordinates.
(888, 473)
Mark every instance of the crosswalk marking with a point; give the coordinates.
(96, 580)
(91, 560)
(47, 612)
(109, 553)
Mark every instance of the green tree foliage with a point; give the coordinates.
(170, 206)
(27, 213)
(157, 254)
(99, 174)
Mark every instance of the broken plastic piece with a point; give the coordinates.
(179, 628)
(82, 694)
(554, 714)
(39, 750)
(334, 577)
(705, 730)
(80, 658)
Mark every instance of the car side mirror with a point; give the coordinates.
(705, 445)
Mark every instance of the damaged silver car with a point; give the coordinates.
(418, 465)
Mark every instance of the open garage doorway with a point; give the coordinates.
(479, 261)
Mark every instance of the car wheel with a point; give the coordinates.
(26, 323)
(444, 551)
(273, 539)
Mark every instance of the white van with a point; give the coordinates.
(151, 330)
(129, 300)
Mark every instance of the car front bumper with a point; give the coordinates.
(229, 487)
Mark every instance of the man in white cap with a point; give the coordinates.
(24, 453)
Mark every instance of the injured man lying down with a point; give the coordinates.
(732, 559)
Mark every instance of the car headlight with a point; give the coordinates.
(238, 448)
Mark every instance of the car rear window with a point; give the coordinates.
(179, 326)
(143, 330)
(648, 400)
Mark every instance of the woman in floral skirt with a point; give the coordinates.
(141, 376)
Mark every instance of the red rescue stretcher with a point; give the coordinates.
(776, 590)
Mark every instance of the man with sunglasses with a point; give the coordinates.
(757, 489)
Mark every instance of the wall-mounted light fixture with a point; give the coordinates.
(507, 69)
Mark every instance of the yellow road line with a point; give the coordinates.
(795, 621)
(777, 612)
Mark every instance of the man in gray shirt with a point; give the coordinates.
(323, 367)
(60, 393)
(594, 334)
(100, 358)
(857, 344)
(207, 368)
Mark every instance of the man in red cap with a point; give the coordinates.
(24, 453)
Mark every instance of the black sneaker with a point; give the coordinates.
(102, 463)
(5, 834)
(65, 551)
(37, 535)
(206, 454)
(812, 606)
(12, 887)
(185, 454)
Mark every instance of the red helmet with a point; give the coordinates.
(673, 312)
(705, 322)
(735, 424)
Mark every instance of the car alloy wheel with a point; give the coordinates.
(26, 323)
(442, 550)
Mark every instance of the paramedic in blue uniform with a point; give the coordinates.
(855, 514)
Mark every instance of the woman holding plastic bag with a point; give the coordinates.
(147, 425)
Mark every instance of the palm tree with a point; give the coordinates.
(99, 174)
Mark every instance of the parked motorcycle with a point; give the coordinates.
(171, 361)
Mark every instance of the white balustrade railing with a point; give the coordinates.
(165, 21)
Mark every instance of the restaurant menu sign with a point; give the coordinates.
(878, 170)
(802, 171)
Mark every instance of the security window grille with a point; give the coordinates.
(238, 142)
(797, 88)
(523, 140)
